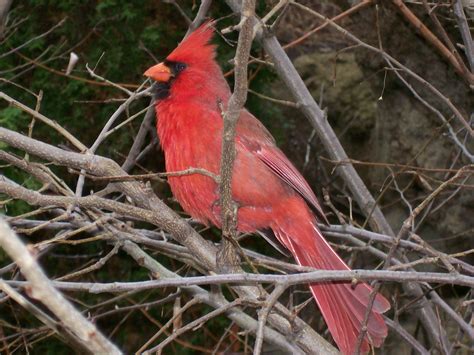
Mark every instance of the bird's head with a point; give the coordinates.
(190, 64)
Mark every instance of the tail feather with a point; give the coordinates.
(343, 306)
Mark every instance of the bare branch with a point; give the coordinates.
(41, 289)
(317, 276)
(204, 253)
(230, 117)
(465, 32)
(16, 49)
(53, 124)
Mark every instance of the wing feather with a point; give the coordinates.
(255, 138)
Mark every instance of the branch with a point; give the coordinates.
(53, 124)
(313, 277)
(96, 165)
(203, 252)
(431, 38)
(106, 130)
(407, 224)
(236, 315)
(202, 12)
(59, 24)
(317, 118)
(230, 117)
(465, 32)
(139, 141)
(40, 288)
(313, 112)
(4, 8)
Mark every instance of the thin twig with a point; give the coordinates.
(40, 288)
(318, 276)
(465, 32)
(263, 316)
(16, 49)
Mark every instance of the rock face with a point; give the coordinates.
(338, 83)
(380, 120)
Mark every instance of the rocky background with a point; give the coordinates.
(377, 117)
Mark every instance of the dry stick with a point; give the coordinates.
(360, 192)
(194, 325)
(201, 14)
(465, 32)
(60, 23)
(110, 83)
(33, 170)
(101, 262)
(30, 307)
(445, 37)
(433, 295)
(431, 38)
(464, 325)
(40, 288)
(407, 224)
(263, 316)
(145, 127)
(390, 165)
(407, 336)
(451, 131)
(242, 319)
(180, 10)
(36, 63)
(53, 124)
(150, 176)
(312, 277)
(271, 99)
(103, 133)
(396, 63)
(338, 17)
(147, 305)
(194, 301)
(4, 8)
(273, 11)
(203, 252)
(339, 231)
(227, 256)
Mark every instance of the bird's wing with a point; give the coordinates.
(255, 137)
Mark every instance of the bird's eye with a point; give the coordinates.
(179, 67)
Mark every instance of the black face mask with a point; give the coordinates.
(161, 90)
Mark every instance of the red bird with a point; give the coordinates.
(270, 192)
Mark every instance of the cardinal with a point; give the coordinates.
(273, 198)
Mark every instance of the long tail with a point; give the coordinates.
(342, 305)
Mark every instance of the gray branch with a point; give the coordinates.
(255, 279)
(204, 253)
(40, 288)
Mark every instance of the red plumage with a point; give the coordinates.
(269, 190)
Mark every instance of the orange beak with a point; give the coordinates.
(159, 72)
